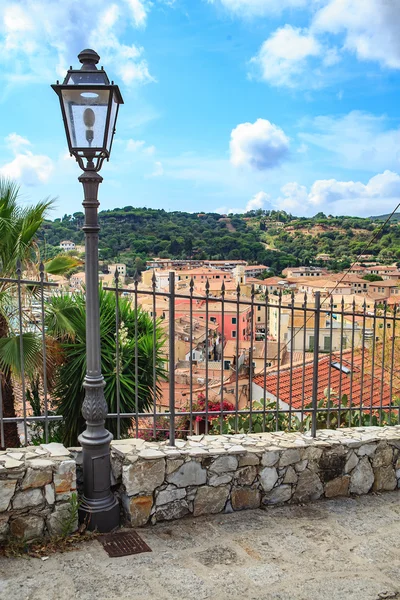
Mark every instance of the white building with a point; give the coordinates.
(67, 245)
(120, 267)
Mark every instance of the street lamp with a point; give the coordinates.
(89, 106)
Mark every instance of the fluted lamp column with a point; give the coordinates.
(89, 106)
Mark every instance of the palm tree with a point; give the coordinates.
(66, 322)
(18, 228)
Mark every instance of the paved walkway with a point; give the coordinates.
(345, 549)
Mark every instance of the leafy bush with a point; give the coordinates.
(66, 321)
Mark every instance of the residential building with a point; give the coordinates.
(347, 374)
(323, 257)
(385, 289)
(202, 274)
(67, 245)
(77, 280)
(381, 270)
(304, 272)
(254, 270)
(235, 325)
(120, 267)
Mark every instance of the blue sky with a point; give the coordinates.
(229, 104)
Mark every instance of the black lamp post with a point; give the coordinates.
(89, 106)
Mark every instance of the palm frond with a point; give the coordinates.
(10, 354)
(61, 263)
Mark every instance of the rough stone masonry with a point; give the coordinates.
(36, 484)
(201, 476)
(226, 473)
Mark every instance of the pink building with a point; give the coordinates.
(233, 328)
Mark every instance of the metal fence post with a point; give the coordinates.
(317, 315)
(171, 365)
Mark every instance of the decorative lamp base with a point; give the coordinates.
(101, 516)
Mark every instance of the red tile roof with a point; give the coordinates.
(355, 387)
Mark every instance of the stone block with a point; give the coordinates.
(27, 527)
(55, 449)
(289, 457)
(269, 458)
(351, 462)
(33, 497)
(143, 477)
(49, 494)
(139, 510)
(173, 464)
(62, 520)
(300, 466)
(190, 473)
(385, 479)
(312, 453)
(245, 497)
(7, 489)
(249, 459)
(309, 487)
(278, 495)
(338, 487)
(223, 464)
(65, 477)
(290, 475)
(246, 475)
(38, 475)
(268, 478)
(170, 494)
(366, 450)
(151, 454)
(174, 510)
(362, 477)
(216, 480)
(4, 527)
(210, 500)
(383, 456)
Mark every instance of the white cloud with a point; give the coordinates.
(139, 11)
(260, 145)
(140, 146)
(259, 8)
(294, 197)
(379, 195)
(292, 57)
(26, 167)
(358, 140)
(370, 28)
(15, 142)
(135, 145)
(158, 169)
(258, 201)
(295, 57)
(39, 40)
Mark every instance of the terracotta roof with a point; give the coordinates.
(360, 388)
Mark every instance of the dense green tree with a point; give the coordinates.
(372, 277)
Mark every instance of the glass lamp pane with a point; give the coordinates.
(87, 78)
(113, 117)
(86, 115)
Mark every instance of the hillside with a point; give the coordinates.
(277, 239)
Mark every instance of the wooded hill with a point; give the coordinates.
(274, 238)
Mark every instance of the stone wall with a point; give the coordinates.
(211, 474)
(36, 485)
(204, 475)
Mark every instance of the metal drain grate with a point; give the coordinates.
(123, 544)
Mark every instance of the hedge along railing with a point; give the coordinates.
(306, 377)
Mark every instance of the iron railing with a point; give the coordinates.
(234, 363)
